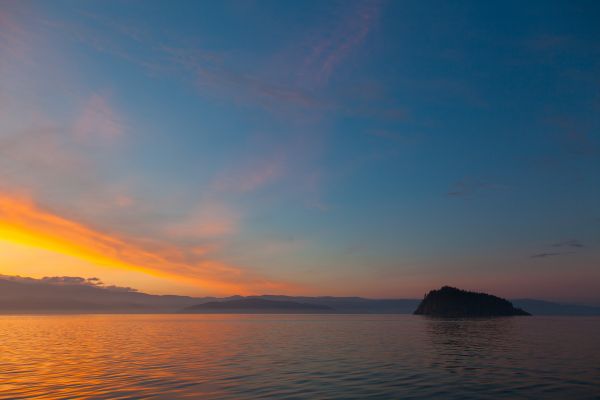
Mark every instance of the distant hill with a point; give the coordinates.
(540, 307)
(20, 295)
(26, 295)
(257, 306)
(355, 305)
(452, 302)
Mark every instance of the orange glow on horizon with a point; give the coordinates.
(21, 222)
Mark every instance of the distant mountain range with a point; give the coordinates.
(25, 295)
(28, 296)
(257, 305)
(540, 307)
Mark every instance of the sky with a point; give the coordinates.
(370, 148)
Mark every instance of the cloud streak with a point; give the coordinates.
(22, 222)
(212, 220)
(566, 244)
(68, 281)
(251, 176)
(331, 44)
(546, 255)
(98, 121)
(569, 243)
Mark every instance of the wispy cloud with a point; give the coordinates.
(244, 87)
(22, 222)
(573, 135)
(545, 255)
(211, 220)
(566, 244)
(251, 175)
(216, 74)
(330, 44)
(68, 281)
(98, 120)
(569, 243)
(97, 216)
(39, 155)
(290, 82)
(15, 40)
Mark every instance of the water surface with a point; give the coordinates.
(297, 356)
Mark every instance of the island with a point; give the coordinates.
(451, 302)
(257, 306)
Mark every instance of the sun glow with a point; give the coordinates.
(21, 222)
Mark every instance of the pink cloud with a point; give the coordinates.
(208, 221)
(214, 73)
(13, 39)
(248, 178)
(219, 76)
(246, 88)
(281, 247)
(124, 201)
(98, 120)
(332, 44)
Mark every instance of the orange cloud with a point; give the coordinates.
(22, 222)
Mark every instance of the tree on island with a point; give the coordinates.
(456, 303)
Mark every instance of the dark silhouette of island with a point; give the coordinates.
(451, 302)
(21, 295)
(255, 305)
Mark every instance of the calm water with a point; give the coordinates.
(311, 357)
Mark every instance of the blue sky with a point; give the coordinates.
(351, 148)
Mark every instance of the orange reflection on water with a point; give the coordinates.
(295, 356)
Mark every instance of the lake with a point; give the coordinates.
(297, 356)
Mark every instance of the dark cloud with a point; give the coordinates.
(68, 280)
(569, 243)
(545, 255)
(114, 288)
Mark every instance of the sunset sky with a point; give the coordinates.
(373, 148)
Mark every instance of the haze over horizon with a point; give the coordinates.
(378, 149)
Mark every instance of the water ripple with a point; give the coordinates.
(297, 357)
